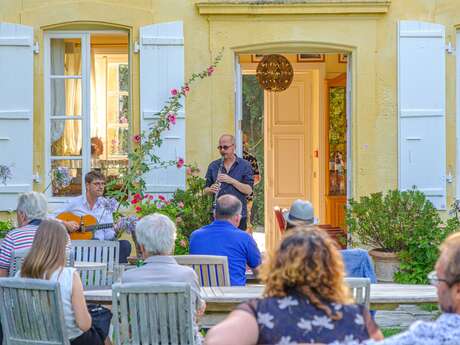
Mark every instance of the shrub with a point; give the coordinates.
(402, 222)
(189, 209)
(5, 226)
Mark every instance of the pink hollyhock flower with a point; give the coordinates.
(180, 163)
(171, 118)
(137, 138)
(185, 89)
(134, 202)
(189, 171)
(137, 196)
(174, 92)
(161, 197)
(150, 197)
(138, 209)
(181, 204)
(210, 70)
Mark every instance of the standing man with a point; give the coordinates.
(230, 175)
(93, 203)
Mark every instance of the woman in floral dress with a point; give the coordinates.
(305, 299)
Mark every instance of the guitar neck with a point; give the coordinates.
(98, 227)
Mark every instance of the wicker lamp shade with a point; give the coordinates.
(274, 73)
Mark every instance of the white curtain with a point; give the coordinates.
(66, 96)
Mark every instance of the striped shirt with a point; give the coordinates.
(17, 239)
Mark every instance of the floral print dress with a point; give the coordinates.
(292, 320)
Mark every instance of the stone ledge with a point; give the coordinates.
(264, 7)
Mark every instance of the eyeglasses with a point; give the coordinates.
(98, 184)
(224, 147)
(434, 280)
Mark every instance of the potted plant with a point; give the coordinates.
(404, 231)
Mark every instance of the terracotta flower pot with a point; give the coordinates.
(386, 264)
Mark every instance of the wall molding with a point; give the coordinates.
(260, 7)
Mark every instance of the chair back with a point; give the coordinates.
(153, 313)
(360, 290)
(212, 270)
(31, 312)
(279, 219)
(97, 251)
(18, 257)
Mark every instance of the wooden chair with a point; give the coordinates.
(153, 313)
(31, 312)
(17, 258)
(97, 251)
(360, 290)
(212, 270)
(280, 221)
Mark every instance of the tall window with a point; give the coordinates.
(87, 107)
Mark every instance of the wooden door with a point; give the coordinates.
(288, 158)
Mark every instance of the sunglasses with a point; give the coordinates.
(224, 147)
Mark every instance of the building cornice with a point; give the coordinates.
(274, 7)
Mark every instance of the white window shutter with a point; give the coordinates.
(162, 69)
(16, 109)
(422, 114)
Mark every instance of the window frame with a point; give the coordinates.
(85, 116)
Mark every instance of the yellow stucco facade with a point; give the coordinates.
(367, 29)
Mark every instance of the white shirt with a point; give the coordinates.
(80, 207)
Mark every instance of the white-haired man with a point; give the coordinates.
(30, 211)
(156, 236)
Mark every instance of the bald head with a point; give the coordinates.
(228, 206)
(227, 138)
(450, 255)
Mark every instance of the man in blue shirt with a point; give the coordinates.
(222, 237)
(230, 175)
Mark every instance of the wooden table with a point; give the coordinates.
(220, 301)
(89, 266)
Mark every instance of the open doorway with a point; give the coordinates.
(299, 138)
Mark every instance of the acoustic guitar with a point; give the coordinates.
(88, 224)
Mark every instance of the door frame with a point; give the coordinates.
(309, 47)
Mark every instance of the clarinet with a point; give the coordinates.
(219, 171)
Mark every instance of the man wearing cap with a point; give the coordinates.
(300, 213)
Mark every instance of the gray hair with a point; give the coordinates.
(228, 206)
(32, 205)
(156, 233)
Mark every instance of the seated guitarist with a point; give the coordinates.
(92, 203)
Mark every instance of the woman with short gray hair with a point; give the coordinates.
(156, 236)
(30, 211)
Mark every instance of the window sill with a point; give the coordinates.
(258, 7)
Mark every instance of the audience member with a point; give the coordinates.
(446, 329)
(30, 211)
(305, 299)
(222, 237)
(156, 236)
(46, 260)
(301, 213)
